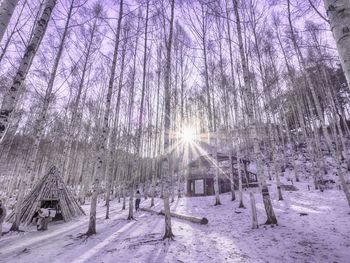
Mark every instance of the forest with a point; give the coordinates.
(175, 130)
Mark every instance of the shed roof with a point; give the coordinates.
(50, 187)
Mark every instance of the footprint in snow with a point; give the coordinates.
(24, 251)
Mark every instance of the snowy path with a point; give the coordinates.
(140, 238)
(38, 239)
(96, 249)
(323, 235)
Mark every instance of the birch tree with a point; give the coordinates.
(48, 96)
(167, 125)
(87, 53)
(14, 31)
(316, 101)
(6, 10)
(129, 164)
(105, 127)
(338, 12)
(10, 99)
(115, 134)
(248, 100)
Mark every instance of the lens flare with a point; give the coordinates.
(188, 134)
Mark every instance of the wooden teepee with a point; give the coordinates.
(50, 189)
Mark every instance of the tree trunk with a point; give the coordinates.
(131, 204)
(47, 99)
(248, 99)
(11, 97)
(6, 10)
(255, 224)
(233, 194)
(216, 178)
(115, 134)
(14, 30)
(316, 99)
(167, 125)
(124, 199)
(103, 134)
(92, 220)
(67, 149)
(143, 83)
(240, 186)
(338, 12)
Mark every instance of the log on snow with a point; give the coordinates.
(193, 219)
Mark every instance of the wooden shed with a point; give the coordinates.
(201, 173)
(50, 192)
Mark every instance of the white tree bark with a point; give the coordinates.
(10, 98)
(47, 99)
(315, 98)
(6, 10)
(67, 149)
(248, 100)
(103, 134)
(115, 134)
(156, 145)
(338, 12)
(240, 186)
(233, 194)
(254, 213)
(167, 125)
(144, 71)
(153, 184)
(13, 31)
(131, 199)
(216, 177)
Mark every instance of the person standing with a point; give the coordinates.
(2, 215)
(138, 200)
(44, 217)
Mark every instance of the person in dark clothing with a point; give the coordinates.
(138, 200)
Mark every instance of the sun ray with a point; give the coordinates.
(210, 159)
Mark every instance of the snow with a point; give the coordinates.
(323, 235)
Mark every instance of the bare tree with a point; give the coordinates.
(10, 99)
(338, 12)
(248, 100)
(6, 10)
(167, 124)
(105, 128)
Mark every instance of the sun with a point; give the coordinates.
(188, 134)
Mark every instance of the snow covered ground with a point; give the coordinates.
(323, 235)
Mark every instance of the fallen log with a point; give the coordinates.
(193, 219)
